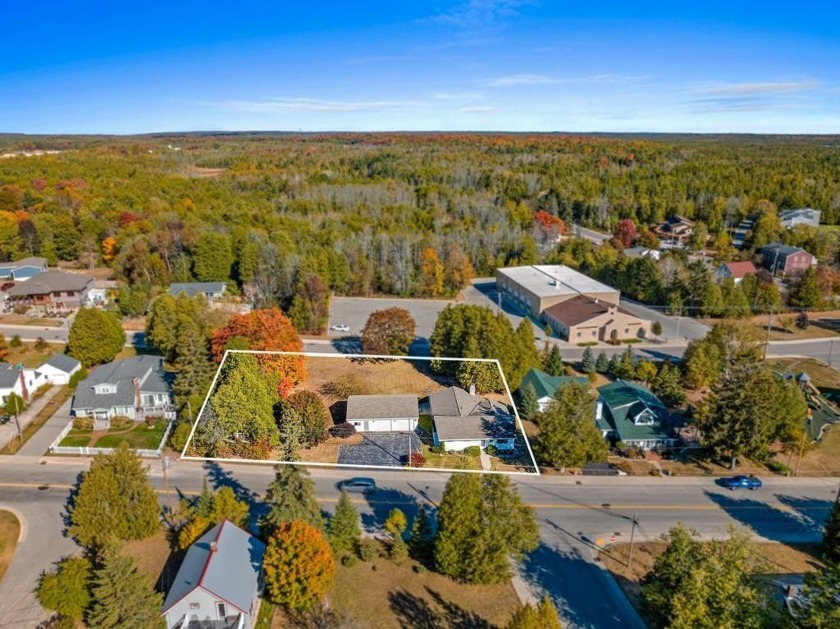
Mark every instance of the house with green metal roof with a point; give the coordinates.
(546, 386)
(632, 414)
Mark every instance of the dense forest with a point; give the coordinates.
(401, 214)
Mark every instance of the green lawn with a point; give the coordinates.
(75, 441)
(451, 461)
(140, 437)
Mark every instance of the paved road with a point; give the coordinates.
(571, 513)
(9, 430)
(589, 234)
(59, 335)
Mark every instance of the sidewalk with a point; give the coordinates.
(41, 440)
(8, 431)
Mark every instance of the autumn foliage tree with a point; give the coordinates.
(625, 232)
(431, 273)
(390, 331)
(298, 566)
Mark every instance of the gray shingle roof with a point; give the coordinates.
(474, 427)
(454, 401)
(231, 572)
(148, 369)
(9, 374)
(50, 282)
(31, 261)
(63, 362)
(191, 289)
(381, 406)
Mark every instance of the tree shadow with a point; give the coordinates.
(802, 525)
(66, 518)
(417, 612)
(456, 616)
(348, 345)
(382, 500)
(338, 412)
(219, 477)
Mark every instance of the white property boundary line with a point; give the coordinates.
(184, 455)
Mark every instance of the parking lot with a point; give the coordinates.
(354, 312)
(385, 449)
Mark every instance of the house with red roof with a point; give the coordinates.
(735, 270)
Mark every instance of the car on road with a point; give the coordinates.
(746, 482)
(4, 418)
(358, 485)
(340, 327)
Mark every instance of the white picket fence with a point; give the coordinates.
(89, 451)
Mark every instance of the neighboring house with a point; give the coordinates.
(632, 414)
(800, 216)
(739, 234)
(383, 413)
(21, 270)
(135, 387)
(464, 419)
(59, 368)
(103, 291)
(546, 386)
(583, 319)
(735, 270)
(675, 230)
(643, 252)
(787, 260)
(219, 582)
(211, 290)
(20, 380)
(56, 289)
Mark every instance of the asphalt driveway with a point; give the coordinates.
(384, 449)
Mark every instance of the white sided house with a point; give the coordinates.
(218, 583)
(383, 413)
(462, 420)
(59, 368)
(19, 380)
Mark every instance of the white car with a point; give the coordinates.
(340, 327)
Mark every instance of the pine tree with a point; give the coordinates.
(817, 606)
(626, 367)
(602, 363)
(542, 616)
(529, 401)
(588, 360)
(291, 496)
(421, 543)
(554, 365)
(645, 371)
(831, 537)
(343, 529)
(528, 356)
(114, 500)
(568, 436)
(806, 294)
(66, 590)
(667, 386)
(123, 597)
(193, 367)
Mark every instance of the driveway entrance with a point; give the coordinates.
(387, 449)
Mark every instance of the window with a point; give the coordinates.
(221, 608)
(195, 606)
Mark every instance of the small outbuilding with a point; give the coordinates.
(59, 368)
(383, 413)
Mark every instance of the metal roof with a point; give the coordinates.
(225, 561)
(360, 407)
(556, 279)
(546, 385)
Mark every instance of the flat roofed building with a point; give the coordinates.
(541, 286)
(383, 413)
(800, 216)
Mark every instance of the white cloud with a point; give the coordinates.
(543, 79)
(747, 89)
(477, 14)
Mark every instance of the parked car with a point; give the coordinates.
(340, 327)
(602, 469)
(4, 418)
(746, 482)
(358, 485)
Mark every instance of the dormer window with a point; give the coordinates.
(102, 389)
(646, 418)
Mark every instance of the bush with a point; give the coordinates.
(342, 430)
(779, 468)
(420, 569)
(83, 423)
(593, 376)
(77, 377)
(472, 451)
(368, 549)
(417, 460)
(16, 342)
(491, 450)
(121, 422)
(179, 435)
(41, 345)
(151, 421)
(441, 449)
(349, 561)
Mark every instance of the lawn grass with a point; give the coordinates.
(387, 595)
(139, 436)
(450, 460)
(28, 356)
(80, 440)
(822, 324)
(40, 419)
(9, 534)
(14, 319)
(772, 558)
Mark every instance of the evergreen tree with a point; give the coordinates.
(568, 436)
(667, 386)
(587, 362)
(712, 301)
(66, 590)
(831, 537)
(421, 544)
(554, 364)
(615, 359)
(312, 413)
(818, 604)
(528, 356)
(114, 500)
(343, 529)
(542, 616)
(806, 293)
(485, 376)
(530, 403)
(645, 371)
(123, 597)
(626, 368)
(212, 257)
(602, 363)
(291, 496)
(193, 368)
(96, 336)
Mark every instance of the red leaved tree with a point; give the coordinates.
(264, 330)
(625, 231)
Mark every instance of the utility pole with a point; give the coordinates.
(830, 350)
(802, 444)
(767, 337)
(632, 538)
(17, 418)
(165, 462)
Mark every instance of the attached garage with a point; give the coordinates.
(383, 413)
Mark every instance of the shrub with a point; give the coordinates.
(368, 549)
(492, 450)
(83, 423)
(121, 422)
(349, 561)
(16, 342)
(179, 435)
(592, 376)
(41, 345)
(420, 569)
(77, 377)
(441, 449)
(150, 421)
(342, 430)
(779, 468)
(472, 451)
(344, 386)
(417, 460)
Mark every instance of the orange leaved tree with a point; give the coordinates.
(264, 330)
(298, 565)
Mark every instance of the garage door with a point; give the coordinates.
(379, 425)
(402, 424)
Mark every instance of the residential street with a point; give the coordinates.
(572, 513)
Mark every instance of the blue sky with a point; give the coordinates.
(741, 66)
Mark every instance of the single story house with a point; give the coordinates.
(211, 290)
(55, 289)
(219, 581)
(383, 413)
(584, 318)
(735, 270)
(22, 270)
(103, 291)
(800, 216)
(786, 259)
(464, 419)
(135, 387)
(630, 413)
(20, 380)
(546, 386)
(59, 368)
